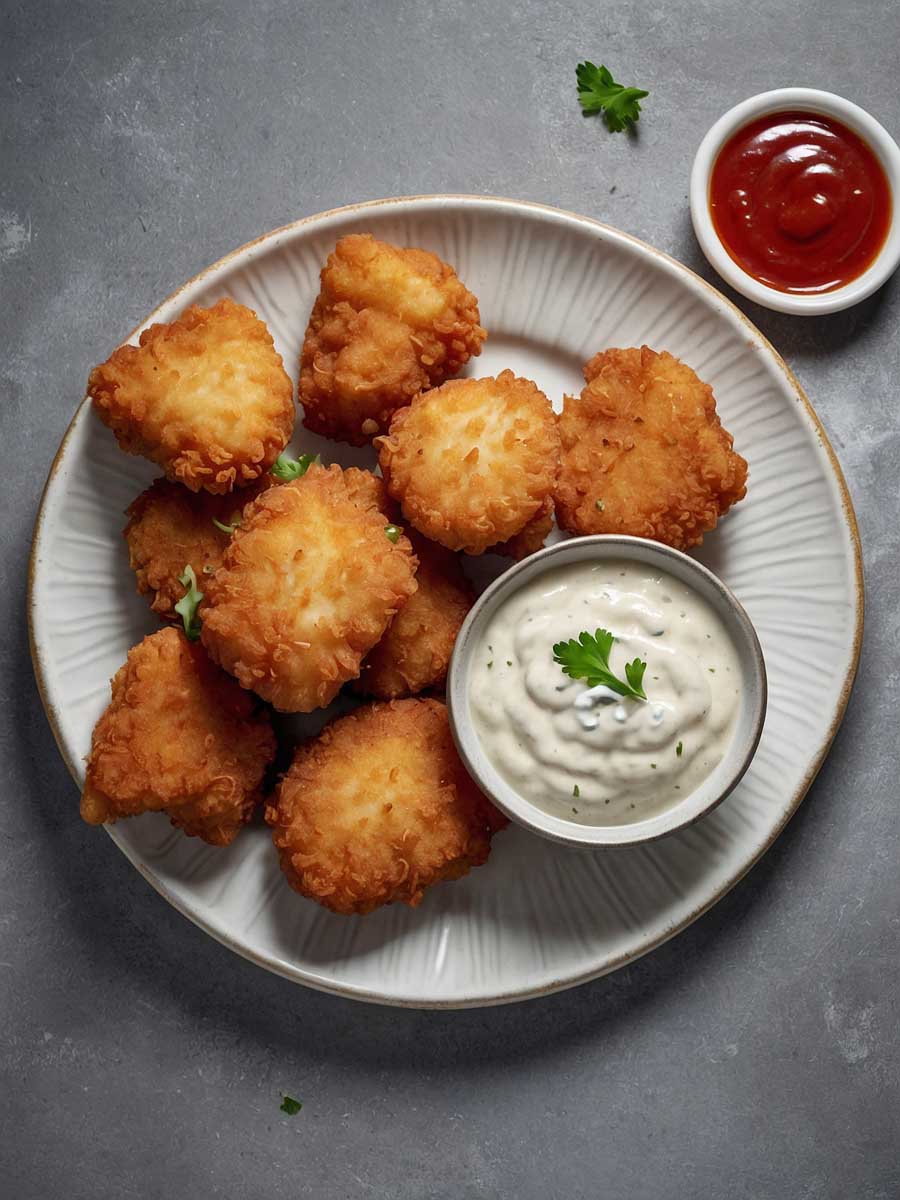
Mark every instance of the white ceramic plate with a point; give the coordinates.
(553, 289)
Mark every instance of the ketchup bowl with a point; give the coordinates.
(811, 226)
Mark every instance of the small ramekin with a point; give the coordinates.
(826, 104)
(711, 791)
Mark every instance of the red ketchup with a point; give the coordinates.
(800, 202)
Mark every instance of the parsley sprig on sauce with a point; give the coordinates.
(599, 92)
(588, 659)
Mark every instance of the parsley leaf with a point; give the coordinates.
(286, 468)
(189, 602)
(599, 92)
(588, 659)
(290, 1106)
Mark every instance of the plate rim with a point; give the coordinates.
(348, 991)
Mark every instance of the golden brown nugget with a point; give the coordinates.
(644, 452)
(378, 808)
(414, 652)
(388, 323)
(180, 736)
(367, 489)
(308, 584)
(474, 461)
(532, 537)
(170, 527)
(206, 397)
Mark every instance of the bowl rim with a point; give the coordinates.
(598, 548)
(800, 99)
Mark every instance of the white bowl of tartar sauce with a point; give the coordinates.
(607, 691)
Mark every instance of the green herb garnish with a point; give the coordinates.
(679, 749)
(290, 1106)
(588, 659)
(392, 533)
(599, 92)
(189, 602)
(286, 468)
(229, 529)
(576, 791)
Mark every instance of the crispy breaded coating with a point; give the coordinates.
(179, 735)
(532, 537)
(308, 584)
(388, 323)
(367, 489)
(414, 652)
(378, 808)
(206, 397)
(644, 452)
(473, 461)
(169, 527)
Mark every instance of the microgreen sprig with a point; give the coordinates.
(229, 529)
(188, 604)
(286, 468)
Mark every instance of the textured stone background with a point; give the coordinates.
(755, 1056)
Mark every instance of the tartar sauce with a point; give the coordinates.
(589, 754)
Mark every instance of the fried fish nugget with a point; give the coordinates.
(206, 397)
(388, 323)
(367, 489)
(414, 652)
(532, 537)
(308, 584)
(644, 452)
(170, 527)
(179, 736)
(473, 461)
(378, 808)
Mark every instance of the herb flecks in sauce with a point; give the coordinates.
(546, 731)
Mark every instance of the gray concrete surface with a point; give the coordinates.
(755, 1056)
